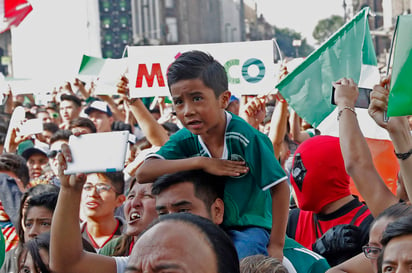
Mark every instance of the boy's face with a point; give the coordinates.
(197, 107)
(99, 197)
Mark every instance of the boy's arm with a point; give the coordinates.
(66, 249)
(280, 212)
(152, 168)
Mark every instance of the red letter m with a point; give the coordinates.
(142, 72)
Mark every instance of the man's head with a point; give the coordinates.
(102, 194)
(194, 191)
(139, 208)
(48, 130)
(318, 173)
(39, 213)
(183, 242)
(378, 226)
(57, 139)
(15, 166)
(80, 126)
(99, 112)
(397, 246)
(36, 157)
(70, 107)
(261, 264)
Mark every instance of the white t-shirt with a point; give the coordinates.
(121, 263)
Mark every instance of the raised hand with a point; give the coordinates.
(74, 182)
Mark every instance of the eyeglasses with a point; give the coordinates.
(371, 252)
(99, 187)
(52, 154)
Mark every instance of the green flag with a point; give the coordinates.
(400, 96)
(308, 88)
(91, 66)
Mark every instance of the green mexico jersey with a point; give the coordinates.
(247, 198)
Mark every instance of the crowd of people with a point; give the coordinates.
(211, 183)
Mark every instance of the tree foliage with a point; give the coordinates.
(326, 27)
(285, 37)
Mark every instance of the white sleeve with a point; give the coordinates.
(121, 263)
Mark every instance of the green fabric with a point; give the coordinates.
(303, 259)
(246, 203)
(109, 248)
(308, 88)
(91, 65)
(2, 249)
(400, 96)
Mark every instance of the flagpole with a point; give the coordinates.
(385, 113)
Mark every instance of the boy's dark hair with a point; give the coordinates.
(83, 122)
(72, 98)
(198, 65)
(50, 127)
(60, 134)
(47, 200)
(16, 164)
(218, 240)
(207, 187)
(116, 179)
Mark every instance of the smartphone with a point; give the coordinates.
(363, 99)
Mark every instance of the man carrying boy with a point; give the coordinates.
(200, 193)
(224, 144)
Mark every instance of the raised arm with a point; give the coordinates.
(356, 153)
(153, 131)
(66, 250)
(278, 124)
(398, 129)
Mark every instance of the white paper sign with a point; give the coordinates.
(249, 66)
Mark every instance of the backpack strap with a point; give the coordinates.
(359, 213)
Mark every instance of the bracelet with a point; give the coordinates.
(403, 156)
(132, 100)
(346, 108)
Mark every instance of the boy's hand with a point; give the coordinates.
(346, 92)
(224, 167)
(75, 182)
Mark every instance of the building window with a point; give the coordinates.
(171, 24)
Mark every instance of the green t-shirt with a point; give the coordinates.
(109, 248)
(2, 249)
(247, 200)
(302, 259)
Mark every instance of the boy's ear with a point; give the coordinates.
(224, 99)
